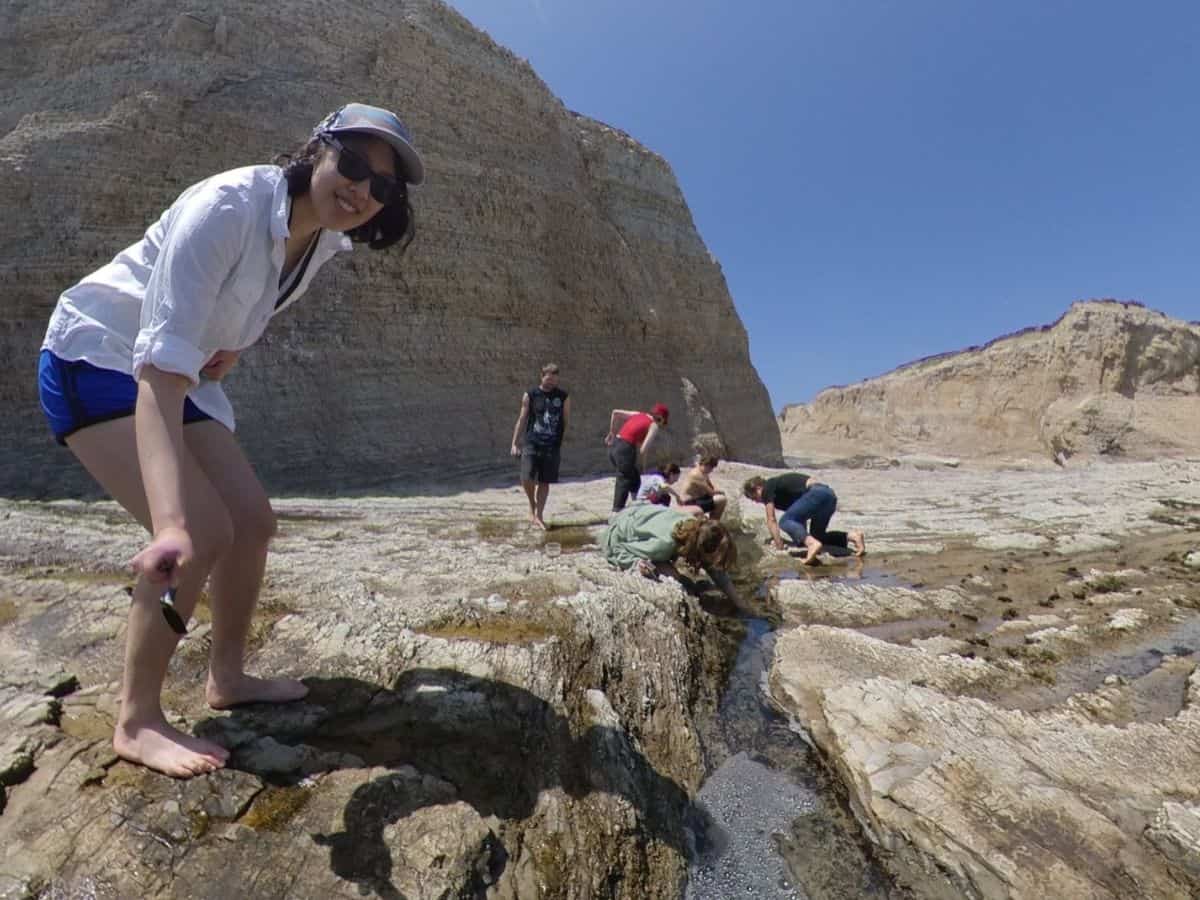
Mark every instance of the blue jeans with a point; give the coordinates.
(815, 507)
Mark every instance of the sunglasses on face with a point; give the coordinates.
(350, 165)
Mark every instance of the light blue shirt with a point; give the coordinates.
(204, 277)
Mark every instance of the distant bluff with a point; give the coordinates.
(1108, 378)
(543, 235)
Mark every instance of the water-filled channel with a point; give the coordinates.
(781, 831)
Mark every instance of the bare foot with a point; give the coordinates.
(248, 689)
(158, 746)
(814, 547)
(538, 523)
(858, 542)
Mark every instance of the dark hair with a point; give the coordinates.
(708, 458)
(750, 488)
(670, 469)
(394, 224)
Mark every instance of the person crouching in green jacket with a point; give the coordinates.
(653, 537)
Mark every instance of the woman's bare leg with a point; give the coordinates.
(237, 576)
(109, 452)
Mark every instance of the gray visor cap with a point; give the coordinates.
(363, 119)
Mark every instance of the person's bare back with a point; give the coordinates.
(694, 484)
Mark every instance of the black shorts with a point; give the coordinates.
(706, 503)
(540, 464)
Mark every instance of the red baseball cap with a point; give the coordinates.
(661, 411)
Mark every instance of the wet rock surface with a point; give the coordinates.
(482, 718)
(1013, 713)
(489, 720)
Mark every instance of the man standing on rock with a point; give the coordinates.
(803, 500)
(543, 422)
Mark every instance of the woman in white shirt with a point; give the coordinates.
(130, 373)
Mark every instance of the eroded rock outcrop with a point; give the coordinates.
(482, 718)
(1107, 378)
(1007, 686)
(542, 235)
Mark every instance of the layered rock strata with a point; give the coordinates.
(1108, 378)
(1007, 685)
(542, 235)
(483, 718)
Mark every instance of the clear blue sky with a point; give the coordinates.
(887, 179)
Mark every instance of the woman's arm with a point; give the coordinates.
(158, 424)
(724, 582)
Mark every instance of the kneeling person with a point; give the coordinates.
(804, 501)
(657, 487)
(697, 489)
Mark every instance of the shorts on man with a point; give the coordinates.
(706, 503)
(540, 464)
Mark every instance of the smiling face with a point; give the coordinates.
(342, 204)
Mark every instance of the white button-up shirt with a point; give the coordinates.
(205, 277)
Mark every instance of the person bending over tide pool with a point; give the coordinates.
(653, 537)
(804, 501)
(628, 448)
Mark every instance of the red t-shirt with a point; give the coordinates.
(635, 428)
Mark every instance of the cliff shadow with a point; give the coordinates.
(492, 745)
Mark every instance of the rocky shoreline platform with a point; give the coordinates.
(1004, 692)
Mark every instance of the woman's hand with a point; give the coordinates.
(608, 439)
(219, 364)
(169, 551)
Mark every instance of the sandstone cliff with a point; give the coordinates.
(1107, 378)
(542, 235)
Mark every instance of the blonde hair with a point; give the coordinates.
(703, 542)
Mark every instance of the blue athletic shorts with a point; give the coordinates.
(77, 394)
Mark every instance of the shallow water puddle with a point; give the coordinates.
(1154, 691)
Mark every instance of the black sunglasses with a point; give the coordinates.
(384, 188)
